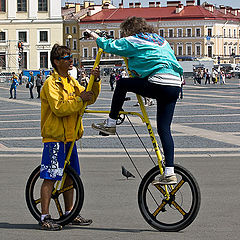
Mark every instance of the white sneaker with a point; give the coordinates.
(165, 180)
(105, 128)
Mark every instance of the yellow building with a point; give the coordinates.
(37, 24)
(72, 14)
(193, 31)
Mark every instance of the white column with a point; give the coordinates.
(54, 9)
(32, 9)
(11, 8)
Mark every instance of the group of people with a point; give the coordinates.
(216, 76)
(115, 75)
(32, 81)
(156, 74)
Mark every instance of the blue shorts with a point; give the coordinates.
(53, 158)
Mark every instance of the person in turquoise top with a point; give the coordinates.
(14, 84)
(156, 74)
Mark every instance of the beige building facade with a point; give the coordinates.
(37, 24)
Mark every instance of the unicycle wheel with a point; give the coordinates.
(56, 208)
(176, 213)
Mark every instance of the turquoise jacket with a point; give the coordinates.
(148, 54)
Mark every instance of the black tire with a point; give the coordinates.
(167, 217)
(32, 194)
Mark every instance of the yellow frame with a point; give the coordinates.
(143, 116)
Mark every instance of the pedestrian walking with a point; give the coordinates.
(208, 77)
(112, 80)
(31, 84)
(39, 84)
(14, 84)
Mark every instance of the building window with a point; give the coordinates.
(42, 5)
(67, 30)
(198, 50)
(224, 50)
(111, 33)
(170, 32)
(224, 32)
(74, 30)
(198, 32)
(22, 36)
(68, 43)
(209, 32)
(43, 36)
(74, 44)
(179, 50)
(179, 32)
(94, 52)
(22, 5)
(75, 61)
(2, 5)
(230, 50)
(161, 32)
(43, 59)
(2, 60)
(85, 52)
(234, 33)
(229, 33)
(24, 60)
(210, 52)
(189, 50)
(172, 46)
(2, 37)
(189, 32)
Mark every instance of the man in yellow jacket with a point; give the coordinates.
(62, 97)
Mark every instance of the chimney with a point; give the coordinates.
(77, 7)
(131, 5)
(137, 5)
(190, 2)
(179, 8)
(173, 3)
(158, 4)
(120, 5)
(223, 9)
(151, 4)
(209, 7)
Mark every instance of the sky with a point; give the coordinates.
(232, 3)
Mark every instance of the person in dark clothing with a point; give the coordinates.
(39, 84)
(31, 84)
(112, 81)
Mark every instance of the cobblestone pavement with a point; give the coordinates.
(206, 131)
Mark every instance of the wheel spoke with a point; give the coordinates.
(178, 208)
(178, 186)
(164, 202)
(37, 201)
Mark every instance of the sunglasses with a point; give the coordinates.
(68, 57)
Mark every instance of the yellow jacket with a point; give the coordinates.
(60, 108)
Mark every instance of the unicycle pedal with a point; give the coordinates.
(103, 134)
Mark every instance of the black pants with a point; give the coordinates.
(166, 97)
(31, 91)
(38, 91)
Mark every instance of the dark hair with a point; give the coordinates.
(136, 25)
(13, 72)
(57, 52)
